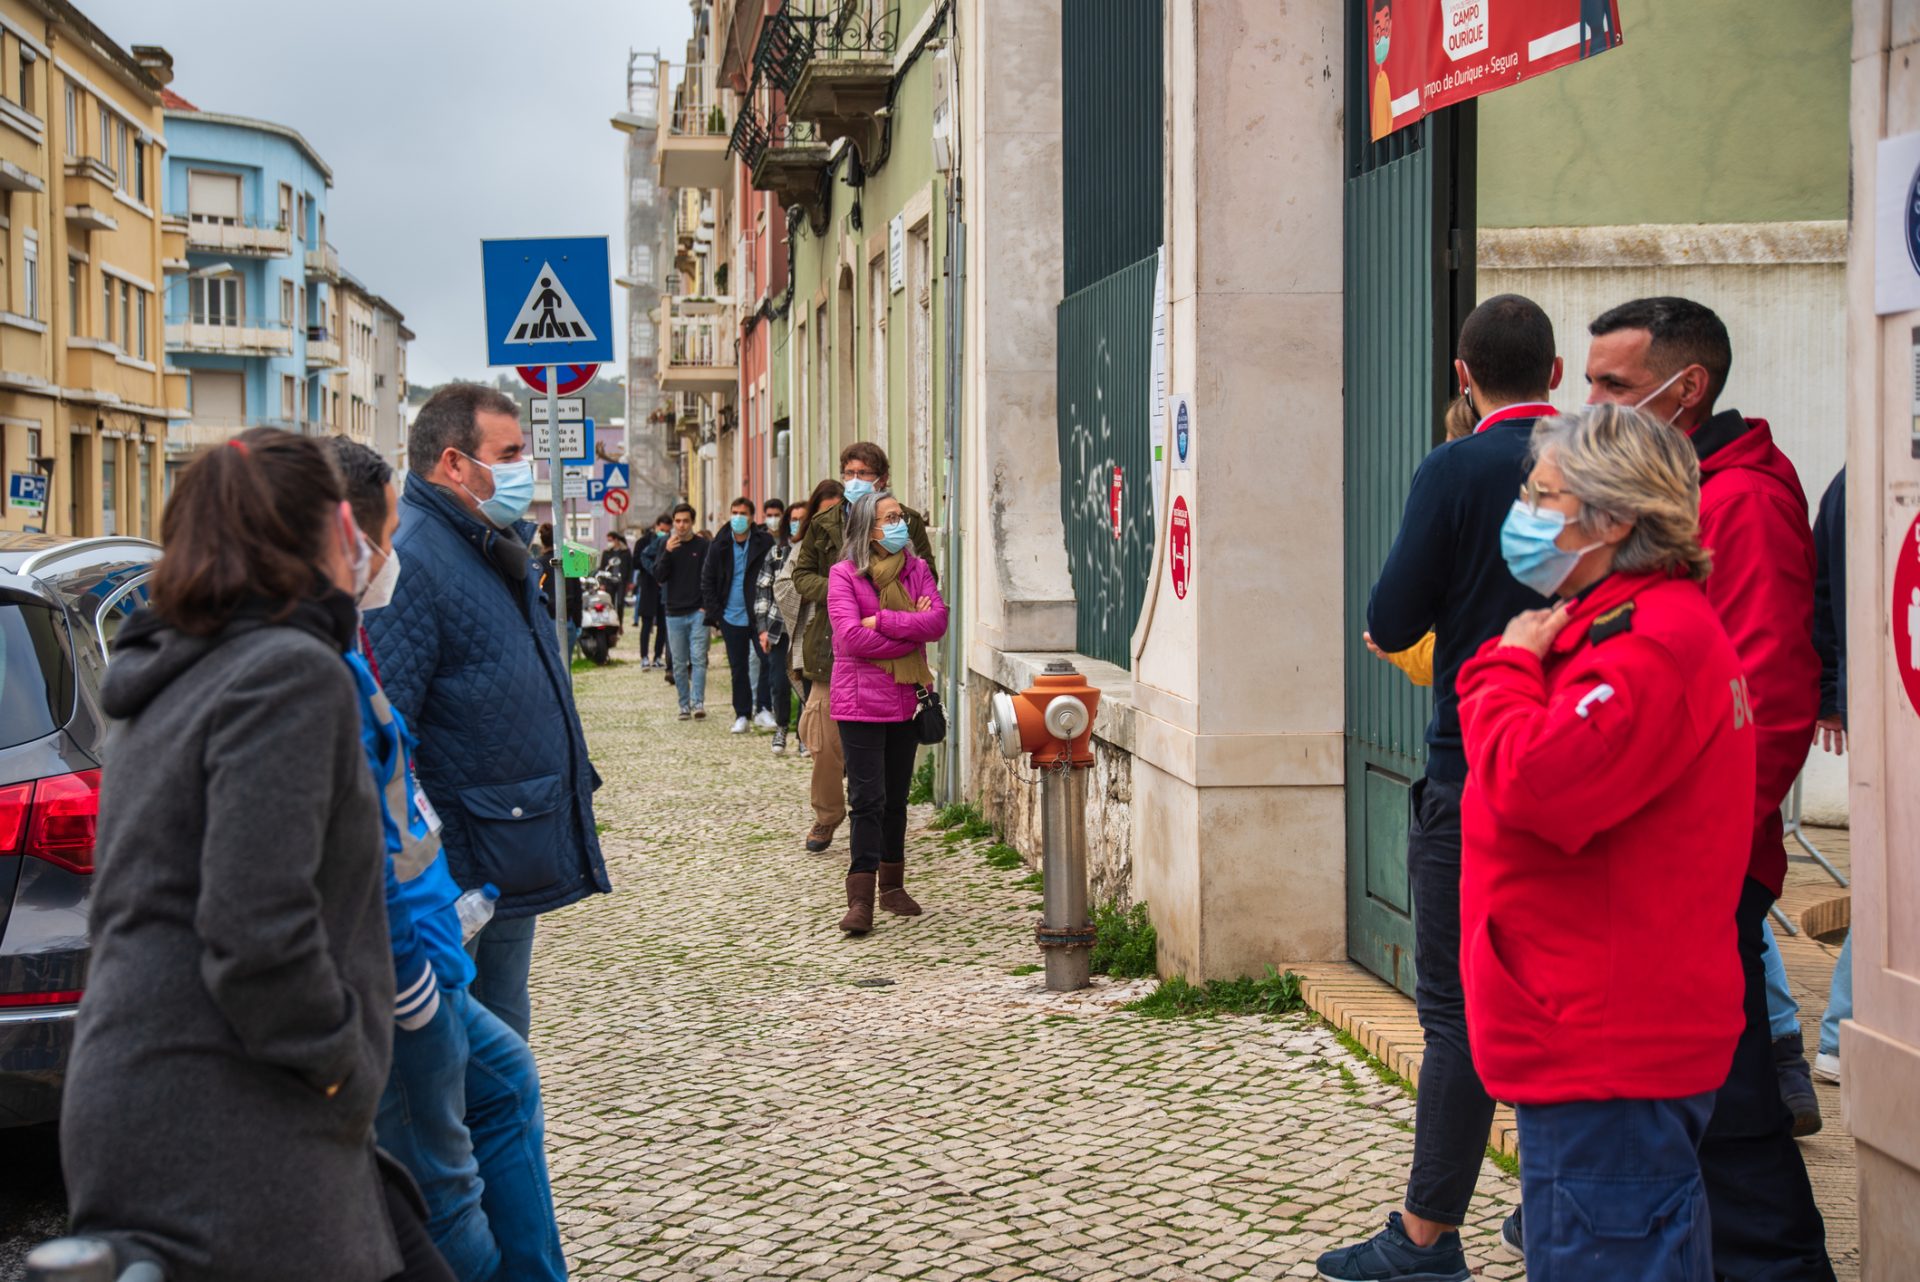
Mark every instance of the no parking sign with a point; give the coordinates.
(1906, 613)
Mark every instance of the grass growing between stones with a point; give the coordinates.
(1272, 994)
(922, 790)
(1125, 945)
(1003, 857)
(962, 821)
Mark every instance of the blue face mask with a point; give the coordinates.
(740, 522)
(855, 490)
(795, 527)
(1529, 543)
(1380, 50)
(512, 491)
(893, 537)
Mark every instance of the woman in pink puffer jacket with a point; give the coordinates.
(885, 609)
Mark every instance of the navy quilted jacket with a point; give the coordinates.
(471, 662)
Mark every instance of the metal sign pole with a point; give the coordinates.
(557, 486)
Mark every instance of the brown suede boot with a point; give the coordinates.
(859, 918)
(893, 895)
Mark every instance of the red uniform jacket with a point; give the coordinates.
(1753, 518)
(1605, 833)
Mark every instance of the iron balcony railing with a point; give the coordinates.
(806, 29)
(700, 342)
(753, 134)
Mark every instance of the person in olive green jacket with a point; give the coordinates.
(863, 468)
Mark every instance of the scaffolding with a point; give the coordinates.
(652, 446)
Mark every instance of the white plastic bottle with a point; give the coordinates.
(476, 910)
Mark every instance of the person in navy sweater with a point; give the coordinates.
(1445, 574)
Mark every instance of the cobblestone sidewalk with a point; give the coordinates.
(735, 1091)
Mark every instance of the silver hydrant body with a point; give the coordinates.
(1052, 720)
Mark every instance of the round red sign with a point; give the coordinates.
(1180, 546)
(1906, 613)
(616, 501)
(572, 377)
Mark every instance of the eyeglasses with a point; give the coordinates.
(1534, 495)
(858, 474)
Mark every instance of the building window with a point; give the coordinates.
(216, 300)
(76, 275)
(26, 78)
(286, 301)
(106, 307)
(140, 320)
(146, 490)
(73, 121)
(213, 198)
(126, 316)
(289, 392)
(640, 264)
(120, 140)
(286, 207)
(106, 133)
(109, 484)
(140, 173)
(30, 275)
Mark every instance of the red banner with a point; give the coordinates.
(1423, 55)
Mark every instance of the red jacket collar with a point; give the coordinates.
(1596, 601)
(1529, 409)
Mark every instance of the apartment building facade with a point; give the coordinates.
(85, 393)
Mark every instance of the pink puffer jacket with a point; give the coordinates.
(862, 689)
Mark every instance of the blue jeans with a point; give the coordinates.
(573, 639)
(502, 960)
(462, 1112)
(1783, 1013)
(687, 642)
(1612, 1190)
(1839, 999)
(757, 673)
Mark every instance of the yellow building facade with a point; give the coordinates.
(85, 393)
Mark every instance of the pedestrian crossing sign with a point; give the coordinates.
(548, 301)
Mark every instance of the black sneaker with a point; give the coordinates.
(1511, 1235)
(1391, 1256)
(1796, 1084)
(686, 715)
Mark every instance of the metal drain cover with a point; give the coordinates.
(874, 982)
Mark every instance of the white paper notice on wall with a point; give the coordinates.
(897, 253)
(1896, 243)
(1157, 408)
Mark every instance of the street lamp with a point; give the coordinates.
(632, 122)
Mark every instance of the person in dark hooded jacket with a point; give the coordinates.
(234, 1042)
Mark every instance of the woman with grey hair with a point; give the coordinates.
(885, 609)
(1606, 825)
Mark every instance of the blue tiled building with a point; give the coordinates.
(255, 318)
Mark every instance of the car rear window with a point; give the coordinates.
(36, 673)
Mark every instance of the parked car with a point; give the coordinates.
(62, 602)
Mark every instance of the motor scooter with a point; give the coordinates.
(599, 624)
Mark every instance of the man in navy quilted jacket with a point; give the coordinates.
(469, 657)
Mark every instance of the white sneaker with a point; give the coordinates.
(1827, 1067)
(764, 719)
(740, 725)
(803, 748)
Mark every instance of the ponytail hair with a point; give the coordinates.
(247, 523)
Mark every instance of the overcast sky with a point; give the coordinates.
(444, 122)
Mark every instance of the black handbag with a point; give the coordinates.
(930, 722)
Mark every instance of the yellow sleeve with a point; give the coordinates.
(1416, 661)
(1382, 106)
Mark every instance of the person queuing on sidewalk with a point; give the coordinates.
(464, 656)
(1604, 994)
(1671, 357)
(552, 558)
(885, 609)
(229, 1058)
(863, 468)
(727, 584)
(678, 571)
(1830, 642)
(648, 613)
(776, 643)
(1444, 575)
(795, 612)
(461, 1110)
(1792, 1074)
(616, 561)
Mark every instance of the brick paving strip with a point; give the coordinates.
(726, 1099)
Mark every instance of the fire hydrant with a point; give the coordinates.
(1052, 721)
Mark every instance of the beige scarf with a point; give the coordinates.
(884, 571)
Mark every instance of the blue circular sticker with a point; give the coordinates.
(1913, 220)
(1180, 423)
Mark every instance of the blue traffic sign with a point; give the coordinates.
(586, 447)
(596, 489)
(549, 301)
(616, 476)
(26, 490)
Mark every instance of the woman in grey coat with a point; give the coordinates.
(235, 1035)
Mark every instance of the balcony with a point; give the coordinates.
(834, 61)
(693, 150)
(14, 178)
(701, 353)
(89, 183)
(173, 245)
(216, 336)
(205, 433)
(323, 263)
(323, 347)
(787, 159)
(240, 237)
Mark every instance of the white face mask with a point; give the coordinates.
(379, 589)
(1648, 399)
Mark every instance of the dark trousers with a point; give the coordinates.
(619, 594)
(1766, 1227)
(739, 640)
(1453, 1115)
(778, 679)
(1612, 1189)
(879, 773)
(653, 627)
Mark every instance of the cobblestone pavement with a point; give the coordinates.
(735, 1091)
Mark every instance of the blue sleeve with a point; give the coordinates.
(406, 638)
(1412, 586)
(409, 951)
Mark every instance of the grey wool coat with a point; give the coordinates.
(240, 962)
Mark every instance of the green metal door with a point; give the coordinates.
(1409, 282)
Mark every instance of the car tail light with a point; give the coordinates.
(39, 999)
(52, 819)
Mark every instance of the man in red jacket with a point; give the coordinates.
(1670, 357)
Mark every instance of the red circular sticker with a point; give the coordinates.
(1180, 546)
(1906, 613)
(572, 377)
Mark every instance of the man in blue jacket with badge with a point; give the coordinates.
(468, 656)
